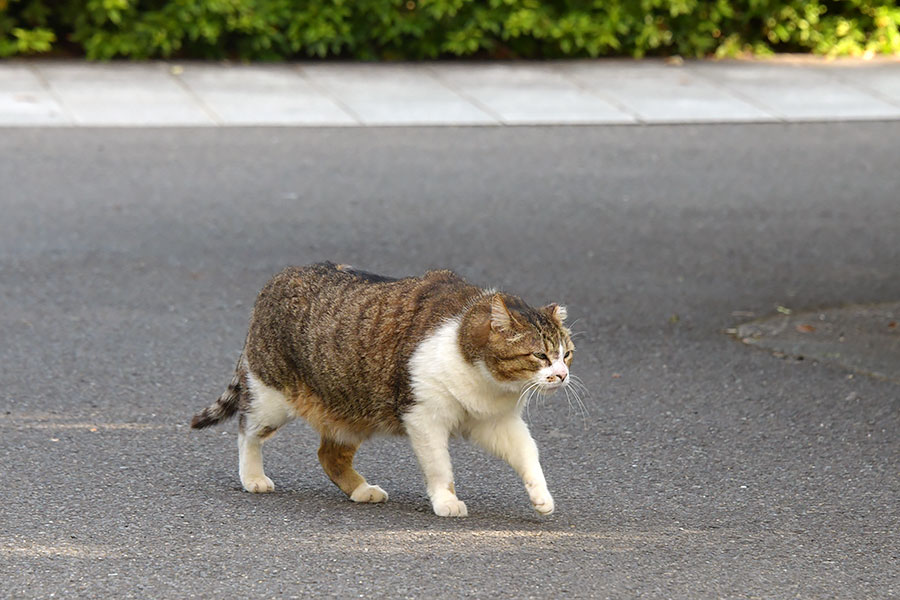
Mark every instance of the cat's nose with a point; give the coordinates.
(559, 374)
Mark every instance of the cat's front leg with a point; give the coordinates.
(509, 439)
(429, 437)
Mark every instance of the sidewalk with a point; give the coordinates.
(74, 93)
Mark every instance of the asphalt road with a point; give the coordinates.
(703, 468)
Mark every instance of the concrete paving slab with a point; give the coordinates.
(529, 94)
(386, 94)
(882, 79)
(261, 95)
(46, 93)
(796, 92)
(25, 100)
(661, 93)
(123, 94)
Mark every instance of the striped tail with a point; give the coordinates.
(225, 406)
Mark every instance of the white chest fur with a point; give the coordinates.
(450, 389)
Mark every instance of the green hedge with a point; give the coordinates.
(419, 29)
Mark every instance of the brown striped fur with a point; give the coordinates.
(338, 341)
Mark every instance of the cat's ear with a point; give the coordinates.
(556, 311)
(501, 320)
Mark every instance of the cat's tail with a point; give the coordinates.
(226, 405)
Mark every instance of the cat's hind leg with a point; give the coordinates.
(250, 468)
(337, 460)
(266, 411)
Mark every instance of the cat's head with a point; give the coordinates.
(521, 346)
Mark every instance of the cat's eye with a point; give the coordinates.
(567, 354)
(540, 356)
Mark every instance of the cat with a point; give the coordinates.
(358, 354)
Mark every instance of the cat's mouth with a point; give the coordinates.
(551, 388)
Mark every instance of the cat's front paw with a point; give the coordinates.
(258, 485)
(541, 500)
(448, 505)
(368, 493)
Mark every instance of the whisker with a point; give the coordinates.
(538, 393)
(580, 392)
(581, 388)
(576, 381)
(527, 395)
(528, 404)
(580, 404)
(584, 411)
(524, 397)
(529, 388)
(535, 390)
(580, 399)
(569, 402)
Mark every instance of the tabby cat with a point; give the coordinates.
(358, 354)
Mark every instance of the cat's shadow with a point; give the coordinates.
(302, 493)
(404, 511)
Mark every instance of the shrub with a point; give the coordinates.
(423, 29)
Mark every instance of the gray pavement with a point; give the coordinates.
(50, 93)
(703, 468)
